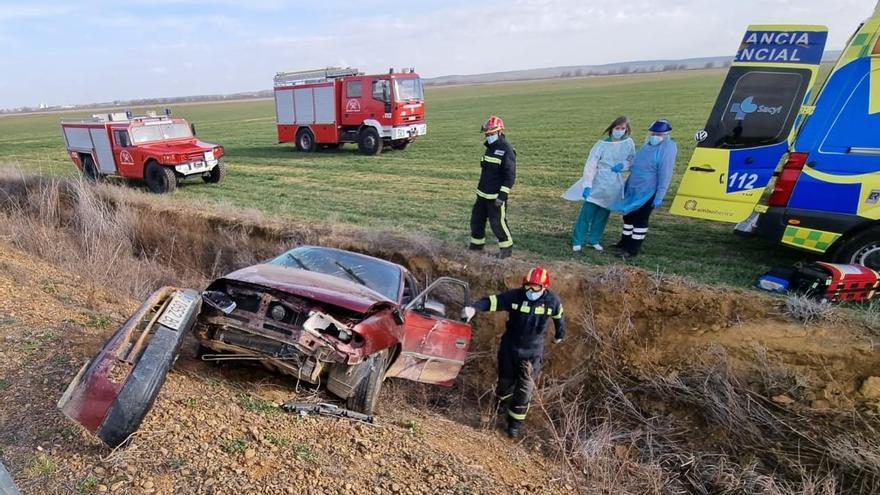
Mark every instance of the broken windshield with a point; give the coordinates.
(378, 275)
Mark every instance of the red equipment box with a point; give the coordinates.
(836, 282)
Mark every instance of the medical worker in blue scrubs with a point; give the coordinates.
(646, 186)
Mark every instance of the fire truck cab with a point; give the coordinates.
(158, 149)
(826, 194)
(333, 106)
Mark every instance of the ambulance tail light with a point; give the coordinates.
(787, 179)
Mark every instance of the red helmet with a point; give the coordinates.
(493, 124)
(537, 276)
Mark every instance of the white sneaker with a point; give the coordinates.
(598, 247)
(576, 248)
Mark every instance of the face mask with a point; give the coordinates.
(654, 139)
(618, 133)
(491, 138)
(534, 296)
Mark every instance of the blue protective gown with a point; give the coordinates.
(607, 185)
(649, 176)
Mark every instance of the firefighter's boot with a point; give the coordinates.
(514, 428)
(475, 247)
(505, 253)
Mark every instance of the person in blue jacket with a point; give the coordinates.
(646, 186)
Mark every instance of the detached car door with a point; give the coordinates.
(752, 124)
(435, 340)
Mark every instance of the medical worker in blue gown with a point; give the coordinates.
(601, 184)
(646, 186)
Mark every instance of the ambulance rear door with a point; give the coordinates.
(752, 123)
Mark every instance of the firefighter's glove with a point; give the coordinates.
(657, 202)
(557, 341)
(618, 167)
(586, 193)
(499, 202)
(467, 313)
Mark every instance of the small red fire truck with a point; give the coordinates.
(332, 106)
(158, 149)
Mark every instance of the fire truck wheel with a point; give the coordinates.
(369, 142)
(160, 179)
(88, 169)
(862, 249)
(366, 394)
(305, 140)
(216, 175)
(400, 144)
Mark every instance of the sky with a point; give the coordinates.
(96, 51)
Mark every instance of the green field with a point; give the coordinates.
(429, 188)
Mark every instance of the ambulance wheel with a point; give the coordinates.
(862, 249)
(369, 142)
(400, 144)
(90, 172)
(160, 179)
(366, 394)
(216, 175)
(305, 140)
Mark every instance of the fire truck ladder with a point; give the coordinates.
(312, 76)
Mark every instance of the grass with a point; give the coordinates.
(429, 188)
(256, 404)
(304, 451)
(4, 383)
(233, 445)
(99, 321)
(41, 465)
(87, 484)
(277, 440)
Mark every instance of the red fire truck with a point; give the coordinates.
(332, 106)
(158, 149)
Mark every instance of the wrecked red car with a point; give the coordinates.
(324, 316)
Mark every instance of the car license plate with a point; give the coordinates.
(176, 310)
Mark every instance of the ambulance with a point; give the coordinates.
(821, 155)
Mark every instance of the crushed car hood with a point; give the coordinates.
(312, 285)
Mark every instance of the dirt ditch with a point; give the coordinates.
(663, 386)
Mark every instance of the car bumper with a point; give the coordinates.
(808, 230)
(409, 131)
(196, 167)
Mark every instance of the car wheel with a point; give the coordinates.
(400, 144)
(90, 172)
(862, 249)
(305, 140)
(369, 142)
(160, 179)
(216, 175)
(366, 394)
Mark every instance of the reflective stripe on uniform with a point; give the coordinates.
(478, 242)
(505, 189)
(493, 303)
(540, 310)
(525, 308)
(514, 415)
(486, 195)
(558, 315)
(505, 397)
(514, 306)
(509, 242)
(492, 159)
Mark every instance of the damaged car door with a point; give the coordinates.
(435, 340)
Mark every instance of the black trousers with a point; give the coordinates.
(485, 209)
(516, 378)
(635, 228)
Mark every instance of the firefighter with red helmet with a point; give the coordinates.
(498, 174)
(522, 346)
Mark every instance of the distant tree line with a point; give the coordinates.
(626, 69)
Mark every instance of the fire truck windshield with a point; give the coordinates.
(408, 89)
(159, 132)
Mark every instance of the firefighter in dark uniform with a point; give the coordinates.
(496, 179)
(522, 345)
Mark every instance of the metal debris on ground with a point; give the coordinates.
(324, 409)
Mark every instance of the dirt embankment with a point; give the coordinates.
(662, 384)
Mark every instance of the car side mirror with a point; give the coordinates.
(192, 128)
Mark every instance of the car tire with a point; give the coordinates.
(305, 140)
(89, 170)
(366, 394)
(369, 141)
(216, 175)
(862, 249)
(400, 144)
(160, 179)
